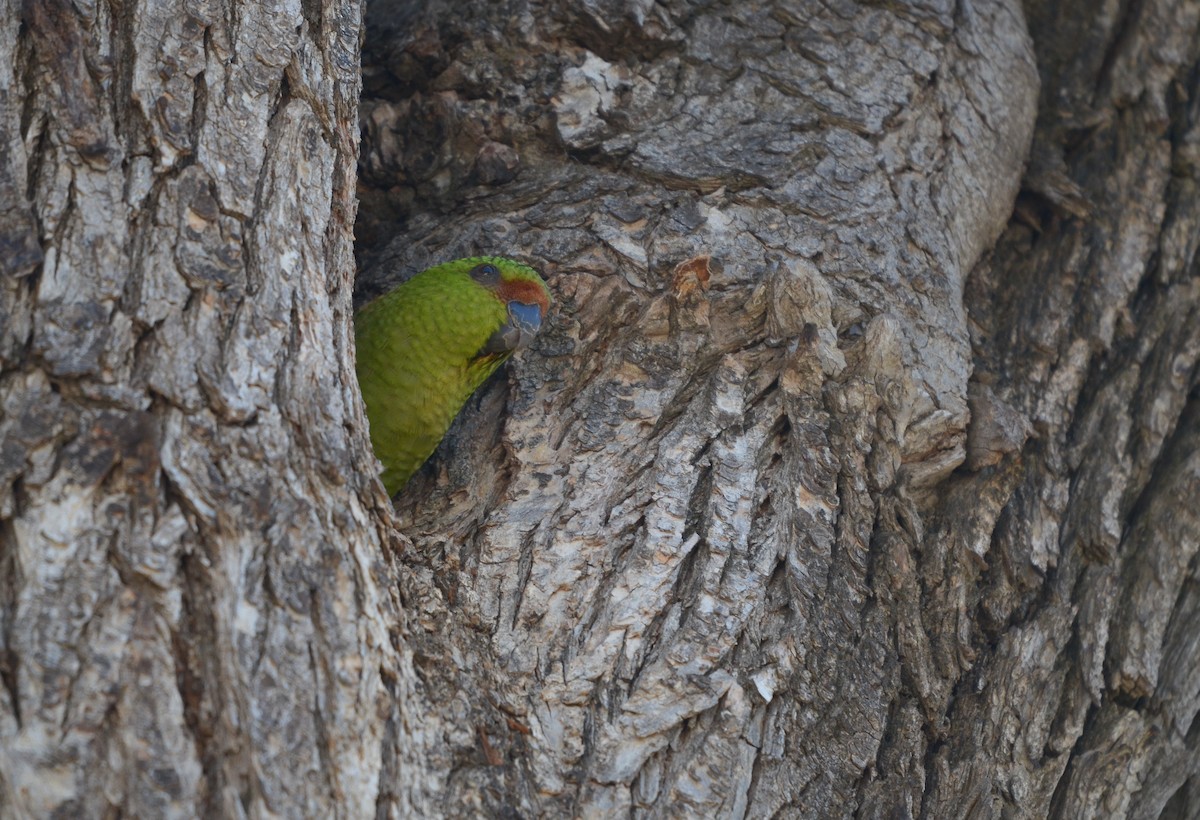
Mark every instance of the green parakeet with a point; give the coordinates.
(424, 347)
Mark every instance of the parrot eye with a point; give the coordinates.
(486, 274)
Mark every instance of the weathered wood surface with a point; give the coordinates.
(836, 487)
(193, 614)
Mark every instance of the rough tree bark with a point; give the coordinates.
(837, 485)
(192, 615)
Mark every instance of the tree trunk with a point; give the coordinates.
(193, 616)
(837, 485)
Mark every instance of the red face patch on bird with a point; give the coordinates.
(525, 292)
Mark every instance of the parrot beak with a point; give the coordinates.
(527, 319)
(524, 321)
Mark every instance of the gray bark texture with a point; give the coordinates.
(856, 474)
(192, 615)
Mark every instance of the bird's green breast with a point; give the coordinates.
(417, 352)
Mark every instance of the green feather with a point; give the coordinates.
(424, 347)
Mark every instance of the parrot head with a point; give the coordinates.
(425, 346)
(522, 292)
